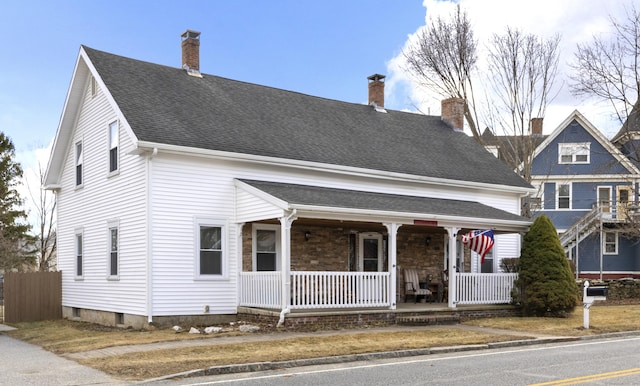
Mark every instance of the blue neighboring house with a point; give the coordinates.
(587, 185)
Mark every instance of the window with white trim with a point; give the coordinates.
(211, 249)
(79, 263)
(79, 159)
(563, 196)
(610, 243)
(574, 153)
(113, 255)
(114, 142)
(266, 247)
(488, 266)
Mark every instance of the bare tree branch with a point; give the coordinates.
(45, 206)
(522, 69)
(608, 68)
(443, 60)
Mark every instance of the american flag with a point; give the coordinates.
(479, 241)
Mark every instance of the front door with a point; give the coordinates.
(622, 205)
(370, 259)
(370, 256)
(604, 199)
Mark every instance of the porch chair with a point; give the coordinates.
(412, 285)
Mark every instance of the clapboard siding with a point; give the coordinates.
(184, 188)
(181, 192)
(250, 207)
(102, 198)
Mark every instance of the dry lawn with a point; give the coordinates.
(64, 337)
(139, 366)
(602, 319)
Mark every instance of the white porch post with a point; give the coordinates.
(392, 229)
(451, 268)
(285, 252)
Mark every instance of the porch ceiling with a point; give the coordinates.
(342, 204)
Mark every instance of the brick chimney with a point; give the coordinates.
(536, 127)
(191, 51)
(376, 90)
(452, 112)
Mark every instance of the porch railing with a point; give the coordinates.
(313, 290)
(484, 288)
(339, 289)
(260, 289)
(316, 290)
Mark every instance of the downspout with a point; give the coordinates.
(286, 264)
(149, 228)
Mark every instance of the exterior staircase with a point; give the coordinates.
(582, 229)
(592, 222)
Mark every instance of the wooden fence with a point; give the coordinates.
(32, 296)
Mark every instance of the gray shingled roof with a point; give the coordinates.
(340, 198)
(165, 105)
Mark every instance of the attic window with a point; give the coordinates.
(574, 153)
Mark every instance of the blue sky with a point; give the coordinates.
(322, 48)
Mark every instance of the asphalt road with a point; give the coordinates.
(602, 362)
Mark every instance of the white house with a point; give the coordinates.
(182, 194)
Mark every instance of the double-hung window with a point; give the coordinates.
(79, 160)
(266, 244)
(113, 256)
(574, 153)
(114, 142)
(564, 196)
(211, 249)
(610, 243)
(79, 254)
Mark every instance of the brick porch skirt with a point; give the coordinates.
(336, 319)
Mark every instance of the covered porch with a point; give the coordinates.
(322, 290)
(339, 249)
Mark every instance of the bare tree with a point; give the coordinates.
(45, 239)
(443, 59)
(522, 69)
(608, 67)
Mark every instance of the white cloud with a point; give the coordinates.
(577, 21)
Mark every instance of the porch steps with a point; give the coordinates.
(427, 320)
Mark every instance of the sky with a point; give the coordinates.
(322, 48)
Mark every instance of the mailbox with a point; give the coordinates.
(597, 291)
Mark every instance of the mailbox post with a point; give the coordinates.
(590, 295)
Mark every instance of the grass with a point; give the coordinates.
(65, 337)
(139, 366)
(602, 319)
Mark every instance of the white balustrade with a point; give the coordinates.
(322, 290)
(261, 289)
(484, 288)
(311, 289)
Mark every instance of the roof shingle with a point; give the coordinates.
(165, 105)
